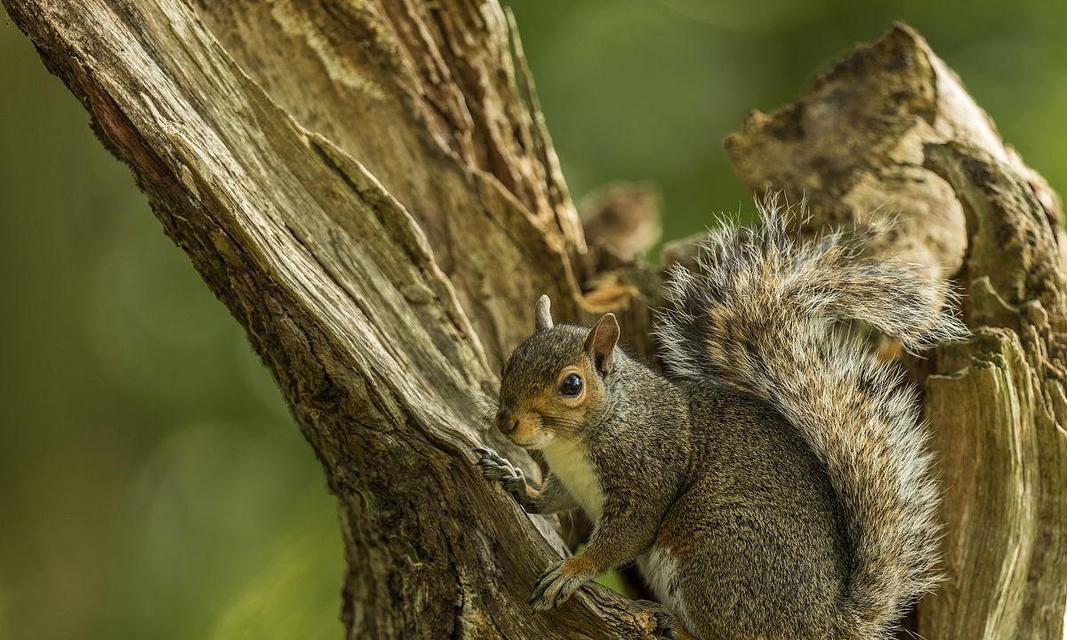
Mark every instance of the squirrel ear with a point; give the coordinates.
(543, 313)
(602, 340)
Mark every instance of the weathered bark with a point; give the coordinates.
(891, 131)
(251, 171)
(999, 409)
(369, 187)
(427, 97)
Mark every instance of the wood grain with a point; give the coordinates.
(341, 294)
(890, 132)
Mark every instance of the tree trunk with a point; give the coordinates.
(891, 130)
(369, 187)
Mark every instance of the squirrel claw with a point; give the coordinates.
(554, 587)
(665, 622)
(497, 468)
(490, 461)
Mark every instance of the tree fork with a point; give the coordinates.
(370, 189)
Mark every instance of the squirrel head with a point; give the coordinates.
(553, 385)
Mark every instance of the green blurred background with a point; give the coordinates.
(152, 483)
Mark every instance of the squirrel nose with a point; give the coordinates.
(506, 421)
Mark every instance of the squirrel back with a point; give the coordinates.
(758, 313)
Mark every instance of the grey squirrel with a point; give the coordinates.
(773, 483)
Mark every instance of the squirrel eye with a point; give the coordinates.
(571, 385)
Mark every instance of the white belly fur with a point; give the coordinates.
(659, 568)
(569, 462)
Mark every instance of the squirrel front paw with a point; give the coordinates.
(561, 580)
(497, 468)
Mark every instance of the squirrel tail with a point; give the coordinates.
(758, 314)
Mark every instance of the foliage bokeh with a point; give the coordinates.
(152, 483)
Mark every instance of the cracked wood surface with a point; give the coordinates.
(430, 98)
(999, 409)
(891, 131)
(337, 284)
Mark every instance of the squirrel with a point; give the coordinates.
(773, 481)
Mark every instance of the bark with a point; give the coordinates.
(370, 189)
(891, 130)
(362, 185)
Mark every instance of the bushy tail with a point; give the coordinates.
(758, 313)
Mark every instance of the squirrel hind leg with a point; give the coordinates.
(667, 624)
